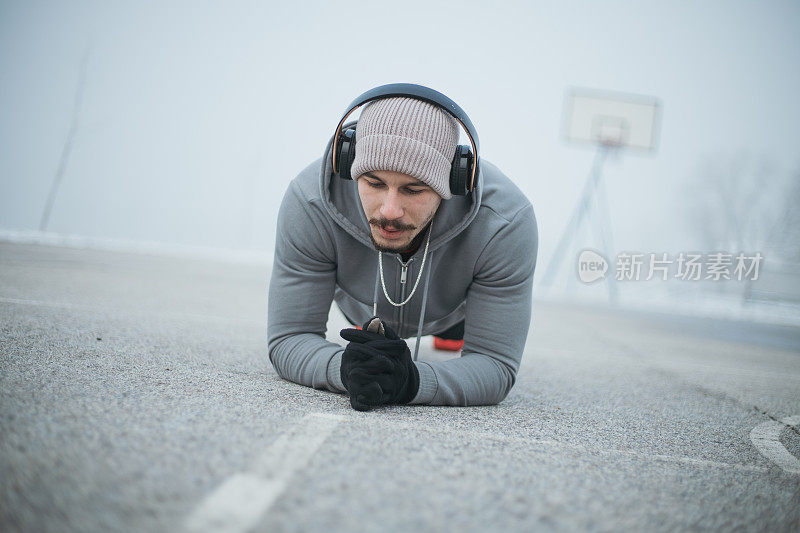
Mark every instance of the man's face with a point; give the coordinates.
(398, 207)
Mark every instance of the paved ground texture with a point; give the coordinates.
(136, 395)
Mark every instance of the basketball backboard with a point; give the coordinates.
(611, 118)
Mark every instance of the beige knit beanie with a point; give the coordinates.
(409, 136)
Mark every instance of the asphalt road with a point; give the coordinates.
(136, 395)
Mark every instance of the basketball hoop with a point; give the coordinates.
(609, 131)
(609, 119)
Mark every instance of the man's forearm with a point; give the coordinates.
(305, 358)
(472, 379)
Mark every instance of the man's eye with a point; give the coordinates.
(375, 184)
(414, 191)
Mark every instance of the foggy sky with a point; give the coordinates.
(196, 116)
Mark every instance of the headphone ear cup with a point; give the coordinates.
(347, 152)
(460, 170)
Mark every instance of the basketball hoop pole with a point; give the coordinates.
(583, 210)
(610, 121)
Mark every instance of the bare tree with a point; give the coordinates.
(738, 203)
(784, 236)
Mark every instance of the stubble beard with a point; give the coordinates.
(417, 239)
(389, 249)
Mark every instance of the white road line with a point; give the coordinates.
(39, 303)
(480, 436)
(632, 453)
(242, 499)
(81, 307)
(766, 438)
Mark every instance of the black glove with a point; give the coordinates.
(376, 367)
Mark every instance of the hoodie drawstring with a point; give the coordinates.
(375, 294)
(424, 305)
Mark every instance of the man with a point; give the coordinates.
(366, 245)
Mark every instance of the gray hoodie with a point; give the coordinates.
(480, 267)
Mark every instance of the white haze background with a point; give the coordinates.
(196, 115)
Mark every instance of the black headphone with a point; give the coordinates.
(464, 168)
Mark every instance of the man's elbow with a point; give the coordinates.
(494, 387)
(274, 353)
(507, 378)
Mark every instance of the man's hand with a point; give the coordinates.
(377, 368)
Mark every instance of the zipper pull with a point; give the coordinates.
(403, 273)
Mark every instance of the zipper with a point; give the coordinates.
(403, 279)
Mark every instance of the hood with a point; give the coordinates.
(341, 200)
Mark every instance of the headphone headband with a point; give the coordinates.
(418, 92)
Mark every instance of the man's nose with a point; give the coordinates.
(392, 207)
